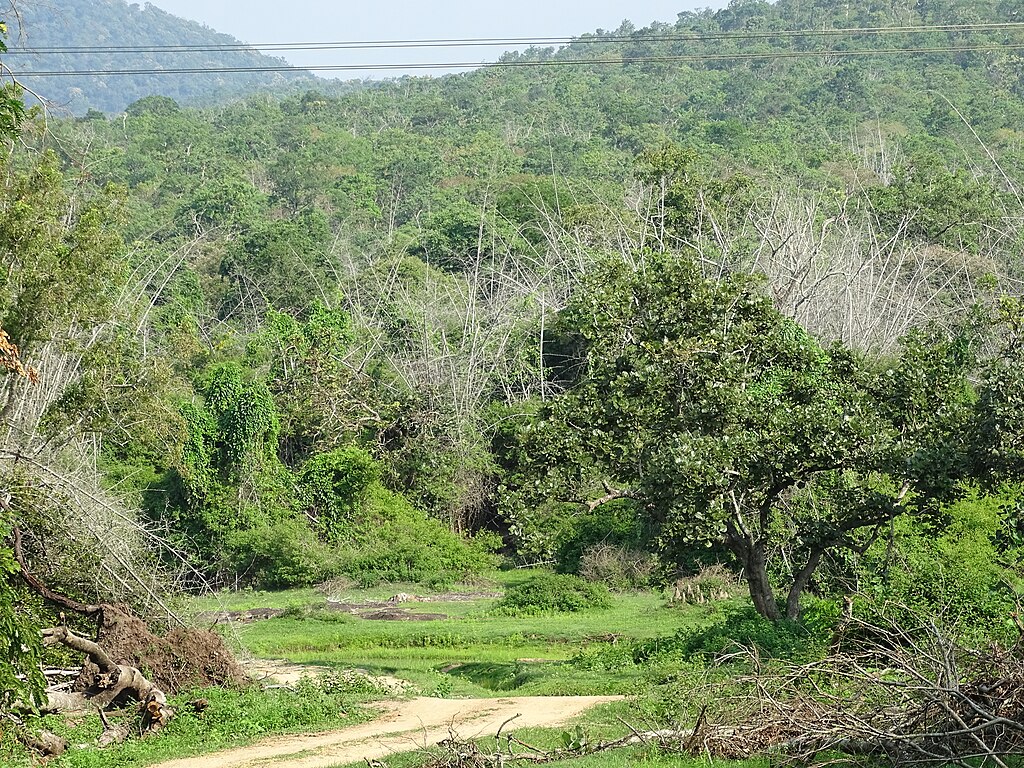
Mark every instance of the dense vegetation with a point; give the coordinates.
(627, 319)
(41, 30)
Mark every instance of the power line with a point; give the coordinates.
(696, 37)
(516, 63)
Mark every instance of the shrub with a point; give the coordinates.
(334, 486)
(614, 524)
(712, 584)
(738, 628)
(958, 571)
(401, 543)
(277, 556)
(620, 568)
(553, 593)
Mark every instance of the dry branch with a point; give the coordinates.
(903, 695)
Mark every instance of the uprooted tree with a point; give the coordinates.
(112, 673)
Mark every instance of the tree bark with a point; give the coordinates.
(800, 582)
(755, 570)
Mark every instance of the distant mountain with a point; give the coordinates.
(51, 24)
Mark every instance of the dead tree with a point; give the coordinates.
(111, 675)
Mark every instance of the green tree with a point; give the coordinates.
(727, 423)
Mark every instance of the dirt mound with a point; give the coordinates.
(184, 658)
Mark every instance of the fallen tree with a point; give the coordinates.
(112, 673)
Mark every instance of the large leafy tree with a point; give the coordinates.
(727, 423)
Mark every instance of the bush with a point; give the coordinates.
(553, 593)
(277, 556)
(738, 628)
(615, 524)
(957, 571)
(333, 488)
(401, 543)
(712, 584)
(620, 568)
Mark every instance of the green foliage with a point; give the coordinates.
(998, 428)
(736, 627)
(245, 414)
(553, 593)
(684, 194)
(938, 205)
(20, 648)
(61, 259)
(220, 202)
(398, 543)
(282, 258)
(615, 523)
(12, 108)
(279, 555)
(228, 478)
(956, 568)
(334, 487)
(730, 425)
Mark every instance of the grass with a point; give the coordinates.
(232, 718)
(475, 652)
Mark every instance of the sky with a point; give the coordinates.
(271, 21)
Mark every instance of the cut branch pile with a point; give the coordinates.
(905, 696)
(455, 752)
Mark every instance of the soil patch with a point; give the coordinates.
(404, 726)
(241, 617)
(183, 659)
(398, 614)
(286, 673)
(375, 610)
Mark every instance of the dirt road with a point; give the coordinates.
(404, 726)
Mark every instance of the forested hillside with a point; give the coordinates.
(713, 293)
(41, 27)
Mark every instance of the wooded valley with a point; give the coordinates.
(695, 349)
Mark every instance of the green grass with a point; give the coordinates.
(490, 654)
(231, 719)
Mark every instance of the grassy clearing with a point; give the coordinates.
(476, 651)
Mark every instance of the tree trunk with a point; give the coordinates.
(800, 582)
(755, 569)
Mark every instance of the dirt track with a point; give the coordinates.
(403, 726)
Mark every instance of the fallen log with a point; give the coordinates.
(113, 685)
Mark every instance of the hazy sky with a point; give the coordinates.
(271, 21)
